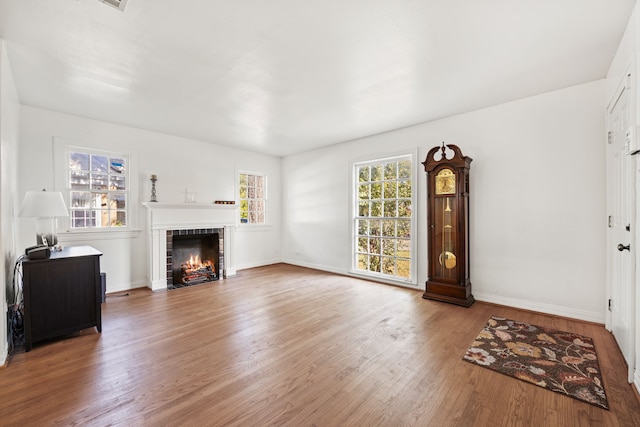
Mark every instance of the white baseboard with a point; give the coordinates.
(557, 310)
(4, 354)
(315, 266)
(259, 264)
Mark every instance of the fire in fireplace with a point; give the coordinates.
(196, 271)
(193, 257)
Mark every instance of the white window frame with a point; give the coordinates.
(264, 198)
(410, 281)
(61, 151)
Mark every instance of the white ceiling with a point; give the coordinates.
(286, 76)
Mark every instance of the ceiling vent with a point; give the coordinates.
(118, 4)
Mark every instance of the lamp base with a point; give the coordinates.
(46, 232)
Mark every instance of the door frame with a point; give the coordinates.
(625, 84)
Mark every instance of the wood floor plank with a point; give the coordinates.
(285, 345)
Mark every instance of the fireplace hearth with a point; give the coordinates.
(194, 256)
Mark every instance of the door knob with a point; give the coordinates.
(622, 247)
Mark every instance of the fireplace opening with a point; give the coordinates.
(194, 258)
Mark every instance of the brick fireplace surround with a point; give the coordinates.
(162, 217)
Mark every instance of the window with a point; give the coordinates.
(383, 218)
(253, 194)
(98, 188)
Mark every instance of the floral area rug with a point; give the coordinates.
(558, 361)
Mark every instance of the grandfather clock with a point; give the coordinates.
(448, 225)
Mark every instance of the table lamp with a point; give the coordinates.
(45, 206)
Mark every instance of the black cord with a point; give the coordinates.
(15, 315)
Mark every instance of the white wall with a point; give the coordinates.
(207, 169)
(537, 200)
(9, 119)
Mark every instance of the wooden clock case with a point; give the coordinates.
(448, 225)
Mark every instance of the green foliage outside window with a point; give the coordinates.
(383, 217)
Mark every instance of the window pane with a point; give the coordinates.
(388, 266)
(390, 170)
(389, 247)
(80, 199)
(376, 190)
(99, 200)
(404, 267)
(79, 180)
(404, 208)
(117, 219)
(362, 262)
(117, 166)
(78, 161)
(376, 208)
(404, 248)
(404, 169)
(117, 201)
(390, 208)
(363, 227)
(99, 182)
(83, 218)
(374, 228)
(404, 228)
(363, 173)
(99, 164)
(374, 263)
(376, 173)
(390, 190)
(363, 209)
(363, 191)
(389, 227)
(404, 189)
(116, 183)
(102, 218)
(362, 244)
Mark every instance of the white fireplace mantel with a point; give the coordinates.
(162, 217)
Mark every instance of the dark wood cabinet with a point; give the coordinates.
(62, 294)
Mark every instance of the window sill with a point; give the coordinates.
(110, 234)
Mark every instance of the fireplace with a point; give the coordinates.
(188, 219)
(194, 256)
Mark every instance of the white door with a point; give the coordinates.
(620, 250)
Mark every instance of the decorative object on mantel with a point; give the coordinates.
(154, 178)
(189, 196)
(224, 202)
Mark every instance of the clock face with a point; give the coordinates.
(445, 182)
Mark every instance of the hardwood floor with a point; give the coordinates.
(284, 345)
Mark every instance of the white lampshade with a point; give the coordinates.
(43, 204)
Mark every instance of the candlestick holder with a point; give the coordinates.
(154, 178)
